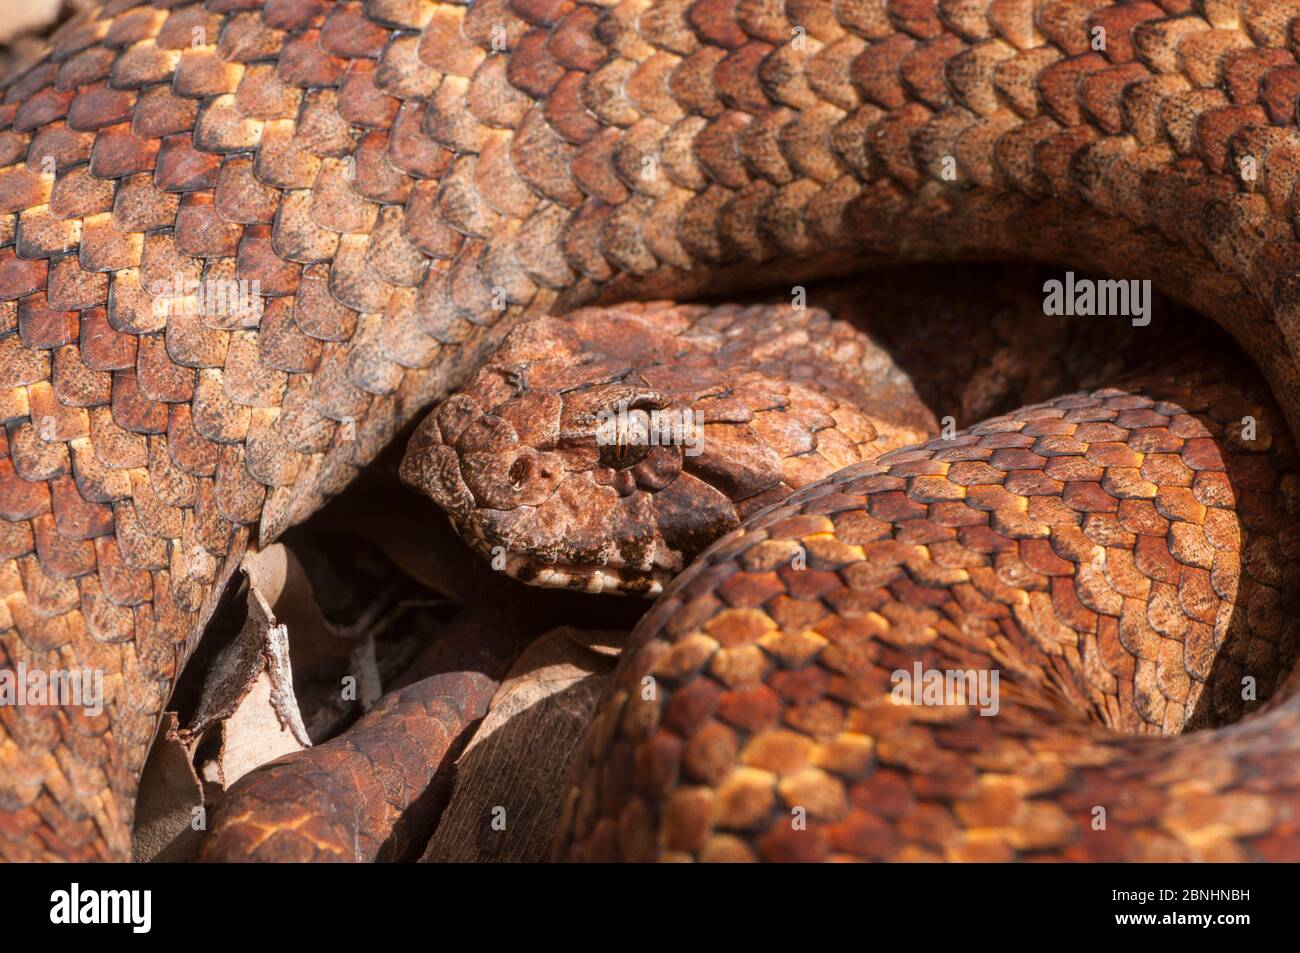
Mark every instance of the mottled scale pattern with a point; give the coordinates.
(404, 181)
(1123, 558)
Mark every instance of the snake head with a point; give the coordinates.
(605, 449)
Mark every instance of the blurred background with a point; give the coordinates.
(24, 24)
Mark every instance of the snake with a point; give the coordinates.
(389, 189)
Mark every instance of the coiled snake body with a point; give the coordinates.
(406, 182)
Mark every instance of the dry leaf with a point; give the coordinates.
(249, 693)
(170, 794)
(27, 17)
(510, 777)
(606, 642)
(370, 686)
(279, 578)
(322, 652)
(254, 734)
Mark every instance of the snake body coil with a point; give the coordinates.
(399, 184)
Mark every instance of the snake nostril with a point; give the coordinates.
(519, 473)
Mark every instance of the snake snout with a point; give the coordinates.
(505, 480)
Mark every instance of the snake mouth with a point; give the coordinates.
(586, 578)
(553, 572)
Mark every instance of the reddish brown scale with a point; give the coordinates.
(1115, 600)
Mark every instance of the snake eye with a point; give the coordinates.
(625, 438)
(622, 456)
